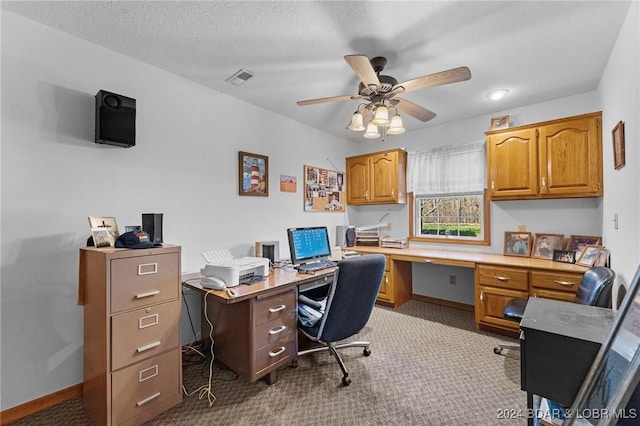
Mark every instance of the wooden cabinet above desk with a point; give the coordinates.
(498, 279)
(555, 159)
(377, 178)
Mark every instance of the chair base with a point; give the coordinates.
(498, 350)
(332, 348)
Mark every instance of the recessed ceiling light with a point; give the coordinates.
(497, 94)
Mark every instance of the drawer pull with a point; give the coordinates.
(147, 373)
(278, 330)
(428, 261)
(147, 399)
(564, 283)
(278, 352)
(147, 294)
(147, 321)
(147, 347)
(501, 278)
(142, 269)
(277, 309)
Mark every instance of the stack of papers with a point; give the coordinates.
(394, 242)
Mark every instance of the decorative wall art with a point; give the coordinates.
(323, 190)
(253, 171)
(288, 183)
(618, 145)
(500, 122)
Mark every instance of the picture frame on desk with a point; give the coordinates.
(589, 256)
(612, 383)
(578, 243)
(545, 244)
(105, 222)
(564, 256)
(101, 238)
(517, 243)
(253, 174)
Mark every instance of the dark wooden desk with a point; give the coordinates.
(256, 331)
(558, 343)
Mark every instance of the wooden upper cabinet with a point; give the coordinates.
(555, 159)
(377, 178)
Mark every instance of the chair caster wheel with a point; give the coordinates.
(366, 352)
(346, 381)
(497, 351)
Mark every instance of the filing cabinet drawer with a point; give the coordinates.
(274, 307)
(274, 330)
(504, 277)
(556, 281)
(269, 355)
(144, 385)
(143, 333)
(142, 280)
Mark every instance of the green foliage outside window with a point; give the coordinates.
(453, 216)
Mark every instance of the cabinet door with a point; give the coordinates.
(490, 303)
(512, 164)
(358, 180)
(384, 177)
(571, 157)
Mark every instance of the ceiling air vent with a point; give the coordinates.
(240, 77)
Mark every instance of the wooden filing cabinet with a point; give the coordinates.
(132, 355)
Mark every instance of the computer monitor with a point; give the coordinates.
(308, 244)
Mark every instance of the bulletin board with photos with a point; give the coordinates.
(324, 190)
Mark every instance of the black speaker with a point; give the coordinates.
(351, 236)
(115, 119)
(152, 225)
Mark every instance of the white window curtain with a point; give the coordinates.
(447, 170)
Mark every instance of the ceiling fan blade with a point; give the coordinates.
(362, 67)
(413, 110)
(438, 79)
(329, 99)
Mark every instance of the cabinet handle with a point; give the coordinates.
(493, 186)
(147, 347)
(148, 294)
(278, 352)
(482, 296)
(147, 373)
(150, 398)
(277, 330)
(544, 184)
(564, 283)
(144, 265)
(277, 309)
(500, 278)
(366, 195)
(393, 192)
(428, 261)
(386, 280)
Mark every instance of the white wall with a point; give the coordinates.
(184, 165)
(619, 95)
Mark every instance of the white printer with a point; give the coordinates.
(221, 264)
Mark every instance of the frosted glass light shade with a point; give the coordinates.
(381, 116)
(372, 131)
(396, 127)
(356, 123)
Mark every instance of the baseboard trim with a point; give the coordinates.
(23, 410)
(443, 302)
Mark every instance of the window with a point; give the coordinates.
(448, 203)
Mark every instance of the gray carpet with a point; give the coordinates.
(429, 366)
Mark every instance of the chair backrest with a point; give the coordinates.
(595, 288)
(352, 297)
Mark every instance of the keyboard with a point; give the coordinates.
(316, 266)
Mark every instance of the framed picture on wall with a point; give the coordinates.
(517, 243)
(618, 145)
(253, 174)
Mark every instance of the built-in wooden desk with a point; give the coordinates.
(256, 331)
(498, 279)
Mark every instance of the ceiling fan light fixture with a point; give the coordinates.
(396, 127)
(381, 116)
(356, 123)
(372, 131)
(497, 94)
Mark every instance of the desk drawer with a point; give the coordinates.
(143, 280)
(504, 277)
(274, 330)
(556, 281)
(143, 333)
(274, 307)
(144, 385)
(282, 349)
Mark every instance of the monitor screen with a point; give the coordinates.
(307, 244)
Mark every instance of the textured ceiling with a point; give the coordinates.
(295, 49)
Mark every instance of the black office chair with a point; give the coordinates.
(595, 290)
(349, 303)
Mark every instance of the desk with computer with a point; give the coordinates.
(254, 325)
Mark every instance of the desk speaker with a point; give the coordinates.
(152, 225)
(268, 249)
(115, 119)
